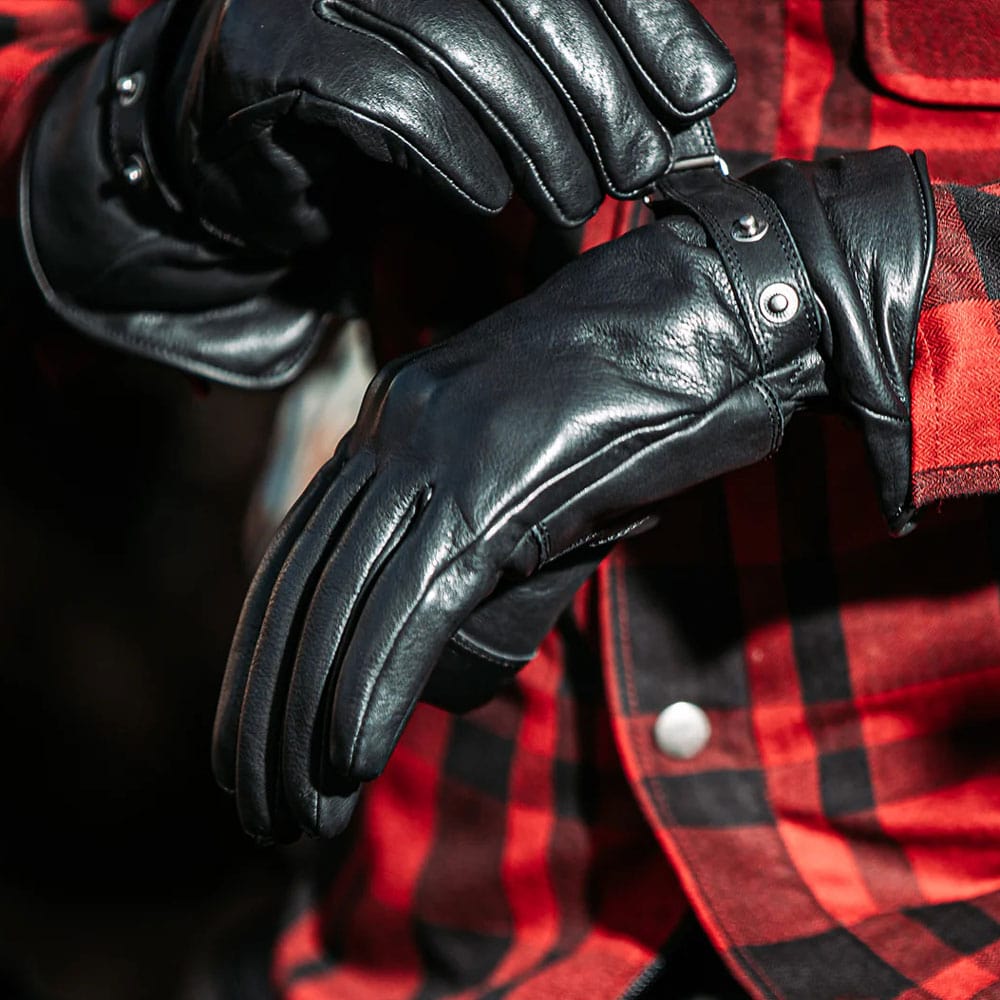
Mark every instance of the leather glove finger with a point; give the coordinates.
(685, 64)
(230, 703)
(289, 563)
(371, 533)
(629, 144)
(494, 77)
(386, 608)
(396, 112)
(247, 755)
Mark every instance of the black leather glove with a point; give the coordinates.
(484, 475)
(181, 166)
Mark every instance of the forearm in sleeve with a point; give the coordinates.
(955, 383)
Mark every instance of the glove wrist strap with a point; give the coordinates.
(765, 271)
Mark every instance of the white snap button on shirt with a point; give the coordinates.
(682, 730)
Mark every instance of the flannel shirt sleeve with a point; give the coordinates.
(955, 384)
(34, 36)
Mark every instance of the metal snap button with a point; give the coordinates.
(129, 87)
(134, 171)
(748, 228)
(779, 302)
(682, 730)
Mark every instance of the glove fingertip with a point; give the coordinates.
(361, 754)
(701, 75)
(335, 814)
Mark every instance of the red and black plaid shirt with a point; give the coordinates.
(839, 836)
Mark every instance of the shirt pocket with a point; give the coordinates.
(940, 52)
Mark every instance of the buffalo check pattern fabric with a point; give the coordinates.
(956, 406)
(839, 835)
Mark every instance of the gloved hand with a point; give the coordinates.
(566, 100)
(180, 166)
(485, 474)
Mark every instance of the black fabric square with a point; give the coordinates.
(582, 679)
(808, 568)
(576, 790)
(479, 758)
(685, 637)
(817, 637)
(683, 612)
(979, 214)
(962, 926)
(456, 960)
(845, 782)
(714, 799)
(849, 969)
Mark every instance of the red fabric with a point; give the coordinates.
(844, 815)
(935, 50)
(42, 32)
(956, 376)
(481, 858)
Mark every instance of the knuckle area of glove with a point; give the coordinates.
(689, 69)
(701, 76)
(702, 344)
(407, 389)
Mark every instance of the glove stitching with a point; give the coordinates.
(705, 107)
(901, 392)
(554, 79)
(737, 277)
(774, 411)
(506, 516)
(277, 686)
(499, 661)
(414, 503)
(544, 542)
(929, 220)
(443, 64)
(602, 537)
(798, 270)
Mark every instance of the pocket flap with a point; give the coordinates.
(936, 51)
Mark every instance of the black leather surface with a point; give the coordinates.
(257, 125)
(563, 418)
(484, 474)
(866, 228)
(562, 101)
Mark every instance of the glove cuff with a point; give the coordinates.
(767, 278)
(865, 225)
(115, 254)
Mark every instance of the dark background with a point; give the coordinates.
(122, 495)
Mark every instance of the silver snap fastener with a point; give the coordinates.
(748, 228)
(682, 730)
(129, 87)
(779, 302)
(134, 171)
